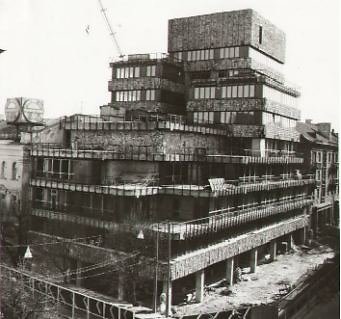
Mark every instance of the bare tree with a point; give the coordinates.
(18, 301)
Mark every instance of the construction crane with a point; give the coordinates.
(110, 29)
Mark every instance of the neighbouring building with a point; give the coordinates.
(319, 144)
(192, 169)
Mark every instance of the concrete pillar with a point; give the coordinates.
(199, 285)
(273, 250)
(253, 260)
(290, 241)
(302, 235)
(167, 290)
(78, 273)
(229, 271)
(120, 286)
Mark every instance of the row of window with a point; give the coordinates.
(235, 91)
(134, 72)
(249, 117)
(317, 157)
(128, 72)
(244, 91)
(134, 95)
(3, 172)
(229, 53)
(279, 97)
(207, 92)
(270, 118)
(198, 55)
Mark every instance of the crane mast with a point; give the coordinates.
(110, 29)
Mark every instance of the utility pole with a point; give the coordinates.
(156, 269)
(169, 296)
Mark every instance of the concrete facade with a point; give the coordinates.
(199, 183)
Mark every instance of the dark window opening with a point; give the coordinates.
(260, 35)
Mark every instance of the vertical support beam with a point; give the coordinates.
(199, 285)
(58, 299)
(167, 290)
(229, 271)
(290, 242)
(273, 250)
(73, 306)
(253, 260)
(120, 286)
(78, 273)
(302, 235)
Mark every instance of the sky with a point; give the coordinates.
(50, 55)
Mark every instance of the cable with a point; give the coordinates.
(91, 267)
(50, 243)
(109, 271)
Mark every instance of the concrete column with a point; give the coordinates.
(290, 241)
(302, 235)
(253, 260)
(273, 250)
(120, 286)
(199, 285)
(229, 271)
(167, 290)
(78, 273)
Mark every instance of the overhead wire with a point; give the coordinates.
(50, 243)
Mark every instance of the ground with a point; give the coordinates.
(260, 287)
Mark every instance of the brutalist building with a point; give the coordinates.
(190, 170)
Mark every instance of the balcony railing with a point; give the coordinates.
(150, 153)
(154, 185)
(224, 219)
(272, 153)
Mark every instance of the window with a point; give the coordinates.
(14, 171)
(150, 95)
(318, 175)
(128, 72)
(260, 34)
(279, 97)
(319, 157)
(229, 53)
(3, 170)
(200, 55)
(204, 92)
(237, 91)
(128, 96)
(203, 117)
(151, 70)
(178, 56)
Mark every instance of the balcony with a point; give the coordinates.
(274, 156)
(149, 153)
(187, 236)
(152, 186)
(223, 219)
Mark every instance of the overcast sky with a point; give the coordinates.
(50, 55)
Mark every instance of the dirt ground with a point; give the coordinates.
(260, 287)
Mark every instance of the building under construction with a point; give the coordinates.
(193, 168)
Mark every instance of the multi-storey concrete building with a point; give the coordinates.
(191, 169)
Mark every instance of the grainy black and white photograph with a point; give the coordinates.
(169, 159)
